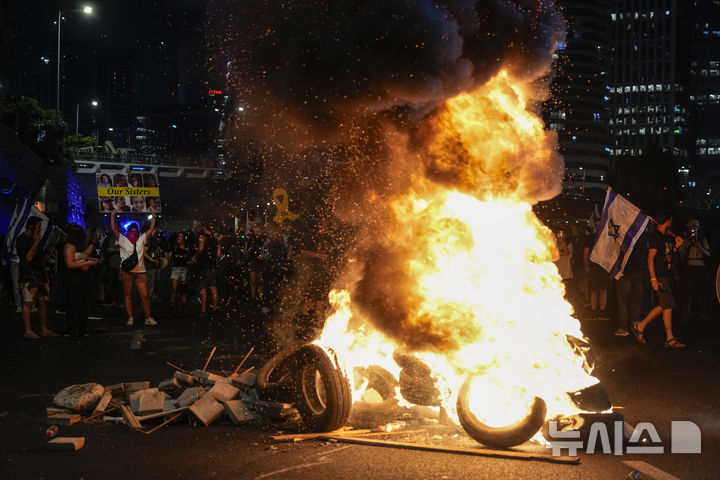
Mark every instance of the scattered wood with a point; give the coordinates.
(64, 419)
(243, 360)
(66, 444)
(130, 418)
(144, 418)
(99, 414)
(511, 454)
(166, 422)
(298, 437)
(210, 357)
(186, 372)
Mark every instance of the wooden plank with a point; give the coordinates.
(209, 358)
(130, 418)
(243, 360)
(146, 417)
(166, 422)
(510, 454)
(296, 437)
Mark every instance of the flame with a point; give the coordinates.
(481, 295)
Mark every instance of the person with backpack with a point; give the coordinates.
(132, 266)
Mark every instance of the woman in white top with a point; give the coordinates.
(130, 243)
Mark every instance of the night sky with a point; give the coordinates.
(164, 37)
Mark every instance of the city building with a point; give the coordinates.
(578, 107)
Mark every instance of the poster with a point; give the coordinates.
(128, 192)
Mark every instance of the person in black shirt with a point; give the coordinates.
(179, 256)
(205, 259)
(661, 251)
(34, 282)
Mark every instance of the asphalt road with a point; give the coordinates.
(645, 383)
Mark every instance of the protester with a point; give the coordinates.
(564, 262)
(694, 256)
(255, 261)
(152, 259)
(205, 260)
(33, 279)
(111, 278)
(132, 249)
(661, 252)
(75, 263)
(598, 283)
(179, 256)
(630, 288)
(95, 274)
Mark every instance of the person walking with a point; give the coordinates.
(661, 252)
(32, 275)
(630, 288)
(695, 279)
(132, 250)
(179, 257)
(205, 260)
(75, 264)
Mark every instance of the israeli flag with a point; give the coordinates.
(23, 210)
(621, 223)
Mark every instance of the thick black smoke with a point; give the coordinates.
(326, 59)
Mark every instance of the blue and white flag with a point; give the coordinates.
(621, 223)
(23, 211)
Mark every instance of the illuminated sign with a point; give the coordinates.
(212, 92)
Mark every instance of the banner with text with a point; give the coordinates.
(130, 193)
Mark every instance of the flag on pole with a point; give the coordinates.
(23, 211)
(621, 224)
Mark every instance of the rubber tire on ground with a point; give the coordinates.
(274, 378)
(317, 368)
(499, 437)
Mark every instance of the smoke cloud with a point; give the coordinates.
(342, 89)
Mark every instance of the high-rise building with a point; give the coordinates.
(703, 178)
(649, 116)
(578, 107)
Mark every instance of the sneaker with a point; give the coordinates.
(602, 316)
(94, 317)
(60, 312)
(18, 310)
(130, 322)
(32, 335)
(150, 321)
(621, 333)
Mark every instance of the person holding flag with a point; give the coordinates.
(661, 252)
(34, 282)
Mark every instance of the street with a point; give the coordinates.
(645, 383)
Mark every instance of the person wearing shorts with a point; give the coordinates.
(129, 243)
(661, 252)
(179, 256)
(33, 279)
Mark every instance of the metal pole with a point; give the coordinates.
(57, 97)
(77, 117)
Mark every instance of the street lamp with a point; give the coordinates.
(87, 10)
(93, 104)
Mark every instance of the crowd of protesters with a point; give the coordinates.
(196, 271)
(666, 276)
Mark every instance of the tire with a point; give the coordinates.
(419, 390)
(322, 391)
(379, 379)
(499, 437)
(274, 379)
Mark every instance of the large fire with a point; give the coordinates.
(478, 284)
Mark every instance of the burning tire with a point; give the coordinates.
(322, 394)
(501, 437)
(379, 379)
